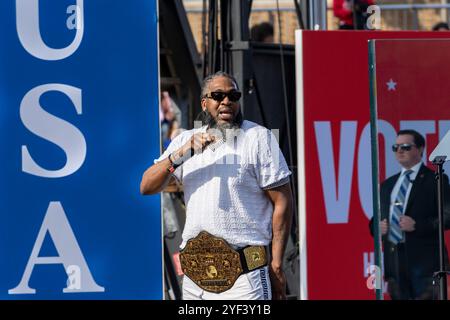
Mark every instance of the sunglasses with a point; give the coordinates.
(403, 146)
(218, 96)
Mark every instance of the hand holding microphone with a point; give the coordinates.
(195, 145)
(200, 141)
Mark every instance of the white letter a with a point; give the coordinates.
(56, 223)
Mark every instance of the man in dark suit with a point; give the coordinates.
(409, 221)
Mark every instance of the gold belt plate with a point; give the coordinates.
(255, 257)
(210, 262)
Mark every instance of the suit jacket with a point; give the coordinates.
(421, 245)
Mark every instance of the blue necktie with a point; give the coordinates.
(395, 233)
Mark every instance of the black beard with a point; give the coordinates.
(207, 119)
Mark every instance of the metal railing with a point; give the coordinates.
(412, 10)
(405, 18)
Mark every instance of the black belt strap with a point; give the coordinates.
(243, 259)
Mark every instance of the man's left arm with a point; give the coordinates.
(430, 226)
(281, 198)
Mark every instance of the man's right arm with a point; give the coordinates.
(157, 177)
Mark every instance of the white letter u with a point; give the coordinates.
(27, 21)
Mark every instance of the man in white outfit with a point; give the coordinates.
(238, 200)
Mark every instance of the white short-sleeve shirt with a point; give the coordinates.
(224, 187)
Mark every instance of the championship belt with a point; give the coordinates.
(214, 265)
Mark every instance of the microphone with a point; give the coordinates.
(214, 145)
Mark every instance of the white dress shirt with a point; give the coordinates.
(224, 189)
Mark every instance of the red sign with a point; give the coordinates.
(335, 202)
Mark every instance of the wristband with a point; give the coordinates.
(171, 169)
(177, 162)
(173, 165)
(186, 156)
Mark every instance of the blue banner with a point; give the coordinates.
(79, 124)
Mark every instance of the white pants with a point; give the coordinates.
(254, 285)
